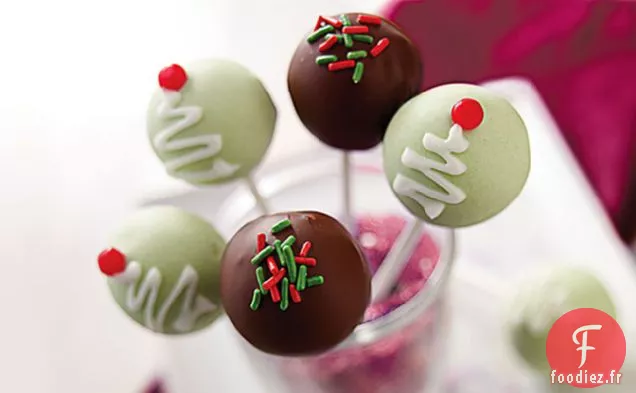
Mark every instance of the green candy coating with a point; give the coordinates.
(172, 241)
(537, 307)
(235, 107)
(497, 158)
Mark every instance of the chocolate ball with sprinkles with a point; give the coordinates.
(350, 75)
(284, 275)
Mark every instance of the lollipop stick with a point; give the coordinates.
(258, 198)
(346, 190)
(391, 268)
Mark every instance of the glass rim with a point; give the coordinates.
(278, 178)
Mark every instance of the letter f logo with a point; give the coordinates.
(583, 344)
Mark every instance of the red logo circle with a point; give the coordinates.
(586, 348)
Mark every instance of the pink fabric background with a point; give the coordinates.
(580, 54)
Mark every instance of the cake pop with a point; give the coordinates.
(211, 122)
(163, 270)
(456, 155)
(284, 275)
(350, 75)
(347, 78)
(539, 304)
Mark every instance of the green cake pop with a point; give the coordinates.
(537, 307)
(163, 269)
(456, 155)
(210, 122)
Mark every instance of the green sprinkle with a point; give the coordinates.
(260, 277)
(315, 281)
(358, 54)
(279, 252)
(345, 20)
(289, 241)
(322, 60)
(258, 258)
(367, 39)
(256, 300)
(280, 226)
(291, 263)
(338, 36)
(301, 284)
(315, 36)
(284, 295)
(348, 41)
(357, 72)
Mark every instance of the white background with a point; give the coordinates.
(75, 77)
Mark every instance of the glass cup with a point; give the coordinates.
(397, 348)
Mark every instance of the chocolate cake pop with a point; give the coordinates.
(294, 283)
(350, 75)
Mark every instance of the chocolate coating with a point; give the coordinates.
(327, 314)
(348, 115)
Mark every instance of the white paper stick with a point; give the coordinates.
(391, 268)
(258, 198)
(346, 191)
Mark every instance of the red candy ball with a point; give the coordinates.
(111, 262)
(173, 77)
(468, 114)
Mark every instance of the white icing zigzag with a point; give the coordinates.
(193, 306)
(208, 145)
(433, 201)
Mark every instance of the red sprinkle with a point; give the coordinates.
(341, 65)
(379, 47)
(369, 20)
(274, 294)
(467, 113)
(275, 279)
(272, 266)
(305, 249)
(295, 296)
(173, 77)
(306, 261)
(260, 242)
(355, 29)
(111, 262)
(328, 44)
(334, 22)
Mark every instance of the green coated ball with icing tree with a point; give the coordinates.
(162, 267)
(210, 121)
(457, 155)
